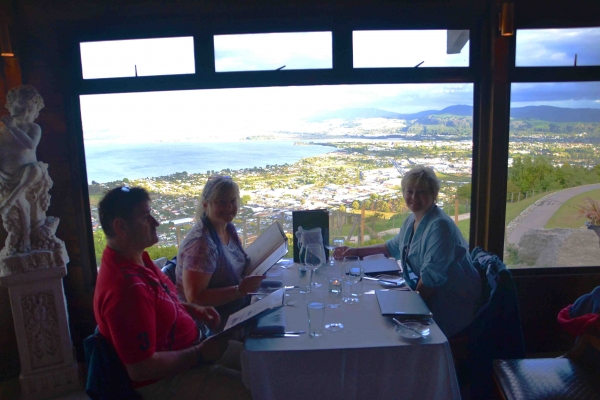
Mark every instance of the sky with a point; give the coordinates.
(247, 111)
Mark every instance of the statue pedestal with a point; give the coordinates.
(48, 367)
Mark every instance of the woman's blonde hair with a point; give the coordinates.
(217, 187)
(422, 177)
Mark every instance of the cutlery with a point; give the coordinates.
(291, 287)
(407, 327)
(276, 335)
(290, 303)
(420, 321)
(380, 280)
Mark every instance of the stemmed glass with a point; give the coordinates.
(313, 258)
(337, 242)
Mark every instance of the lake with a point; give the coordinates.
(111, 162)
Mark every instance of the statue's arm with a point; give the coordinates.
(28, 141)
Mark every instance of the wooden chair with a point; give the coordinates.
(576, 375)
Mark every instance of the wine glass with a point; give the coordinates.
(337, 242)
(313, 258)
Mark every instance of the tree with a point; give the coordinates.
(342, 208)
(464, 192)
(245, 199)
(356, 204)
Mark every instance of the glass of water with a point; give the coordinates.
(353, 276)
(334, 301)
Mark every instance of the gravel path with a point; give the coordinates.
(539, 213)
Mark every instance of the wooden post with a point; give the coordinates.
(456, 210)
(177, 234)
(257, 226)
(361, 237)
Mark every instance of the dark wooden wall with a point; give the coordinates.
(37, 28)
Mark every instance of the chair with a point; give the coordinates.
(169, 269)
(495, 331)
(107, 377)
(573, 376)
(576, 375)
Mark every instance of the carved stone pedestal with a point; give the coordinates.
(48, 367)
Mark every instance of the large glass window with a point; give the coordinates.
(411, 48)
(558, 47)
(139, 57)
(553, 171)
(337, 147)
(273, 51)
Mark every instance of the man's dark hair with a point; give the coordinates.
(119, 203)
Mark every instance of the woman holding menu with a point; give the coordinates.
(435, 257)
(211, 260)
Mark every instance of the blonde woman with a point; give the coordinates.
(435, 256)
(211, 260)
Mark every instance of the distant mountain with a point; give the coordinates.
(543, 113)
(556, 114)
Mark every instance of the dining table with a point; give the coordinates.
(367, 359)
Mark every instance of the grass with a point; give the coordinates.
(95, 198)
(566, 216)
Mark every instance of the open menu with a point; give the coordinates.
(239, 318)
(266, 250)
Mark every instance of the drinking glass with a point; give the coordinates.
(353, 274)
(334, 301)
(316, 312)
(337, 242)
(314, 258)
(304, 278)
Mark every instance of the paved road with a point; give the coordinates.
(543, 209)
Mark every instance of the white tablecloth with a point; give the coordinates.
(365, 360)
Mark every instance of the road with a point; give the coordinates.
(539, 213)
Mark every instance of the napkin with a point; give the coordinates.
(270, 324)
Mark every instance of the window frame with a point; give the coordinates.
(491, 86)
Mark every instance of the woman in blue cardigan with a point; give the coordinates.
(435, 257)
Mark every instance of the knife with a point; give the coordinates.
(291, 287)
(275, 335)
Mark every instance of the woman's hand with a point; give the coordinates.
(250, 284)
(343, 251)
(208, 315)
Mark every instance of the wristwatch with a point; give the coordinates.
(237, 291)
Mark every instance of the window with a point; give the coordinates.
(273, 51)
(558, 47)
(411, 48)
(139, 57)
(554, 167)
(297, 147)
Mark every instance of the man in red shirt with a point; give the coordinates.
(137, 311)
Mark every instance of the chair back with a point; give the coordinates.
(169, 269)
(107, 377)
(495, 331)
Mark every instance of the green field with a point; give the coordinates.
(566, 216)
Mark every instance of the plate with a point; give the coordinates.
(408, 334)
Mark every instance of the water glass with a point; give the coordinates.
(316, 314)
(304, 278)
(353, 278)
(334, 301)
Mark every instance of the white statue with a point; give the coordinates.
(24, 181)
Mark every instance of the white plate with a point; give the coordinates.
(408, 334)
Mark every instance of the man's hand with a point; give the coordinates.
(343, 251)
(250, 284)
(208, 315)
